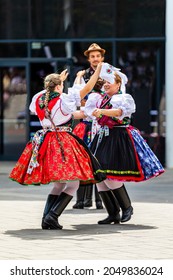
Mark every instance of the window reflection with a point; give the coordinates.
(14, 111)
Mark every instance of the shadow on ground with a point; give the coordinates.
(81, 230)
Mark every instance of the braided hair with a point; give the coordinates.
(50, 82)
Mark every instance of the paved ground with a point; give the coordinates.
(148, 235)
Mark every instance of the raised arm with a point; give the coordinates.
(90, 84)
(63, 75)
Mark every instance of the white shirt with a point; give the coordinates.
(124, 101)
(64, 107)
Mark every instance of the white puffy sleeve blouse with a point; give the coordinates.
(64, 107)
(124, 101)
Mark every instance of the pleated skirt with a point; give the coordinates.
(124, 155)
(76, 162)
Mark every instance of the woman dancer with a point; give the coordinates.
(55, 154)
(122, 152)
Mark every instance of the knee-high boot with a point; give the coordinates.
(49, 203)
(88, 196)
(112, 207)
(98, 199)
(80, 194)
(51, 218)
(124, 202)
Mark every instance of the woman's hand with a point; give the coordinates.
(80, 73)
(97, 113)
(99, 65)
(63, 75)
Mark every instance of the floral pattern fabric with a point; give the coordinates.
(51, 166)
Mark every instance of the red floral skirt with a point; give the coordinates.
(83, 131)
(79, 130)
(77, 163)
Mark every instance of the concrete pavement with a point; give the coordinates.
(148, 235)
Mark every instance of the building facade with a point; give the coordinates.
(40, 37)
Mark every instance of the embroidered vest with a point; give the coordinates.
(111, 121)
(40, 108)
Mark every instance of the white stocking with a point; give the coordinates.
(102, 187)
(113, 185)
(57, 188)
(71, 187)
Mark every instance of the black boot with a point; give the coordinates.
(80, 194)
(124, 202)
(112, 207)
(49, 203)
(98, 199)
(88, 195)
(51, 219)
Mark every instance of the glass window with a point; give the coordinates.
(13, 50)
(13, 114)
(57, 19)
(48, 49)
(144, 18)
